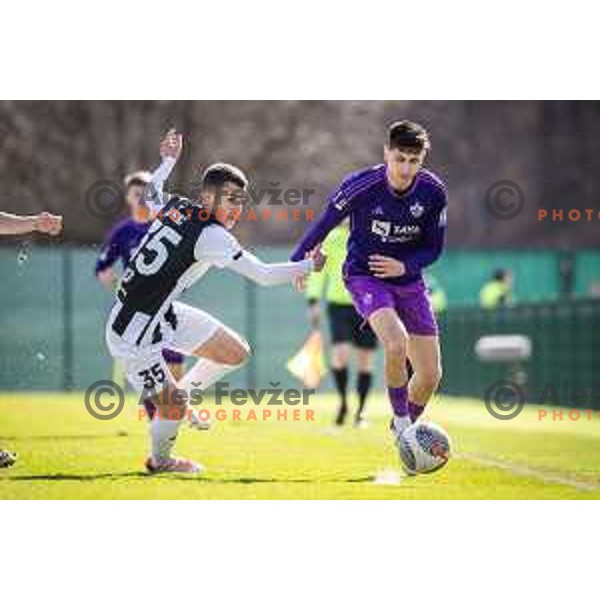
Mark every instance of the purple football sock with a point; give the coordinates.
(415, 411)
(399, 400)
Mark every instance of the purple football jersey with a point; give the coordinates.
(408, 226)
(120, 243)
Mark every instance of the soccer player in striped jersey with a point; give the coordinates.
(187, 238)
(119, 245)
(397, 216)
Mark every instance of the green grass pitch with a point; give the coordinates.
(65, 453)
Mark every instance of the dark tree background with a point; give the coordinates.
(52, 152)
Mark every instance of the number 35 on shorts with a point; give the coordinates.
(152, 376)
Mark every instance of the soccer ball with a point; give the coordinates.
(424, 448)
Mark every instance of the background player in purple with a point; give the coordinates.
(120, 243)
(397, 216)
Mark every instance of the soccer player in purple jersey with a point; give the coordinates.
(397, 216)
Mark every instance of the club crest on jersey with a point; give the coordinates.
(416, 210)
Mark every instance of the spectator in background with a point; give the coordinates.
(498, 291)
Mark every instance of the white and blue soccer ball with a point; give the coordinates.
(424, 448)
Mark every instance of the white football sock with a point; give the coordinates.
(400, 424)
(163, 434)
(204, 373)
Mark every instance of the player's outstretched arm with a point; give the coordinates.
(45, 222)
(221, 249)
(171, 146)
(267, 274)
(15, 224)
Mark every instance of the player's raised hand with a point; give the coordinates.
(48, 223)
(385, 266)
(171, 144)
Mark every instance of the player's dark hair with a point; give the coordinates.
(219, 174)
(141, 178)
(407, 135)
(134, 181)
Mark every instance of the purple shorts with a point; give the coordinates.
(410, 301)
(173, 357)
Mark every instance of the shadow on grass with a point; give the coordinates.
(15, 438)
(250, 480)
(74, 477)
(182, 477)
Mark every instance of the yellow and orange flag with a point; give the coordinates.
(308, 364)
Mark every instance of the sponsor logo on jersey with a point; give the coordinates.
(389, 232)
(407, 230)
(382, 228)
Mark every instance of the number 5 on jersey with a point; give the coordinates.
(155, 251)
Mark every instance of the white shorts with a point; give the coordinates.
(145, 366)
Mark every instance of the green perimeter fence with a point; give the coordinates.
(564, 366)
(52, 314)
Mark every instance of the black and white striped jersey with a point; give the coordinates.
(180, 246)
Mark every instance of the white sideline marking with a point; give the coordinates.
(526, 471)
